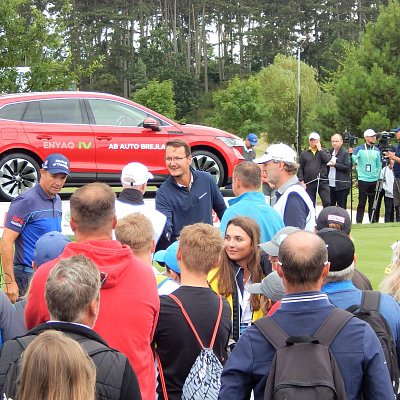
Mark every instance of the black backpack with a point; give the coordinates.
(368, 311)
(303, 367)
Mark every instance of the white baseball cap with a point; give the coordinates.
(277, 152)
(369, 133)
(314, 135)
(135, 174)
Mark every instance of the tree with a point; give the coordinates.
(278, 86)
(367, 87)
(159, 96)
(239, 108)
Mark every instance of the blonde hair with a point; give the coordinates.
(391, 282)
(136, 231)
(201, 246)
(55, 367)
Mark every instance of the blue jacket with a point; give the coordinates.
(253, 205)
(344, 294)
(185, 207)
(356, 348)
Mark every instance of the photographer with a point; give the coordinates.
(339, 172)
(395, 156)
(369, 165)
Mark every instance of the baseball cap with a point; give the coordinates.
(49, 246)
(159, 256)
(170, 257)
(369, 133)
(334, 215)
(135, 174)
(272, 247)
(252, 138)
(56, 164)
(277, 152)
(340, 249)
(271, 287)
(314, 135)
(395, 130)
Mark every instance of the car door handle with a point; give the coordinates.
(44, 137)
(103, 137)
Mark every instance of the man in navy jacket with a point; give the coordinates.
(187, 196)
(303, 266)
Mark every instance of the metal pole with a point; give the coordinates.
(298, 102)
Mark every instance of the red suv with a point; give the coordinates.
(99, 133)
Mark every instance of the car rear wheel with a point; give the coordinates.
(18, 172)
(203, 160)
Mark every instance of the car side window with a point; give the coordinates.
(13, 111)
(32, 112)
(61, 111)
(108, 112)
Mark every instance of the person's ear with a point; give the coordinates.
(114, 222)
(179, 254)
(326, 269)
(72, 224)
(153, 246)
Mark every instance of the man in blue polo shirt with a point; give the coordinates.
(31, 214)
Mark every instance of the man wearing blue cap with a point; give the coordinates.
(248, 149)
(31, 214)
(396, 170)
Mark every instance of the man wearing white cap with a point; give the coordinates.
(134, 179)
(369, 165)
(313, 173)
(279, 162)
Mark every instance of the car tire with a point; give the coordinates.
(203, 160)
(18, 172)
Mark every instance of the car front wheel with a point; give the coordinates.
(203, 160)
(18, 172)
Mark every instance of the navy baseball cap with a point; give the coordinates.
(252, 138)
(48, 247)
(56, 164)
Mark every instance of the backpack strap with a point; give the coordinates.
(272, 332)
(332, 325)
(371, 300)
(185, 314)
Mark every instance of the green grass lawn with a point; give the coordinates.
(372, 243)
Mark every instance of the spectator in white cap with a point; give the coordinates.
(279, 162)
(313, 172)
(134, 179)
(368, 159)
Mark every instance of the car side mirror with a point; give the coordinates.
(151, 123)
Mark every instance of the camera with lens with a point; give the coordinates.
(349, 139)
(384, 144)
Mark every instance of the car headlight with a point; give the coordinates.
(231, 141)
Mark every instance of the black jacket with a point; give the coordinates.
(115, 378)
(238, 281)
(343, 168)
(312, 164)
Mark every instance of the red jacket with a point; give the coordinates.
(129, 304)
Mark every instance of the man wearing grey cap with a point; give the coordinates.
(271, 290)
(31, 214)
(313, 173)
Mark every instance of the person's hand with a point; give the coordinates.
(303, 184)
(350, 150)
(318, 144)
(12, 291)
(390, 154)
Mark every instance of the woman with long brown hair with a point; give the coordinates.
(55, 367)
(241, 265)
